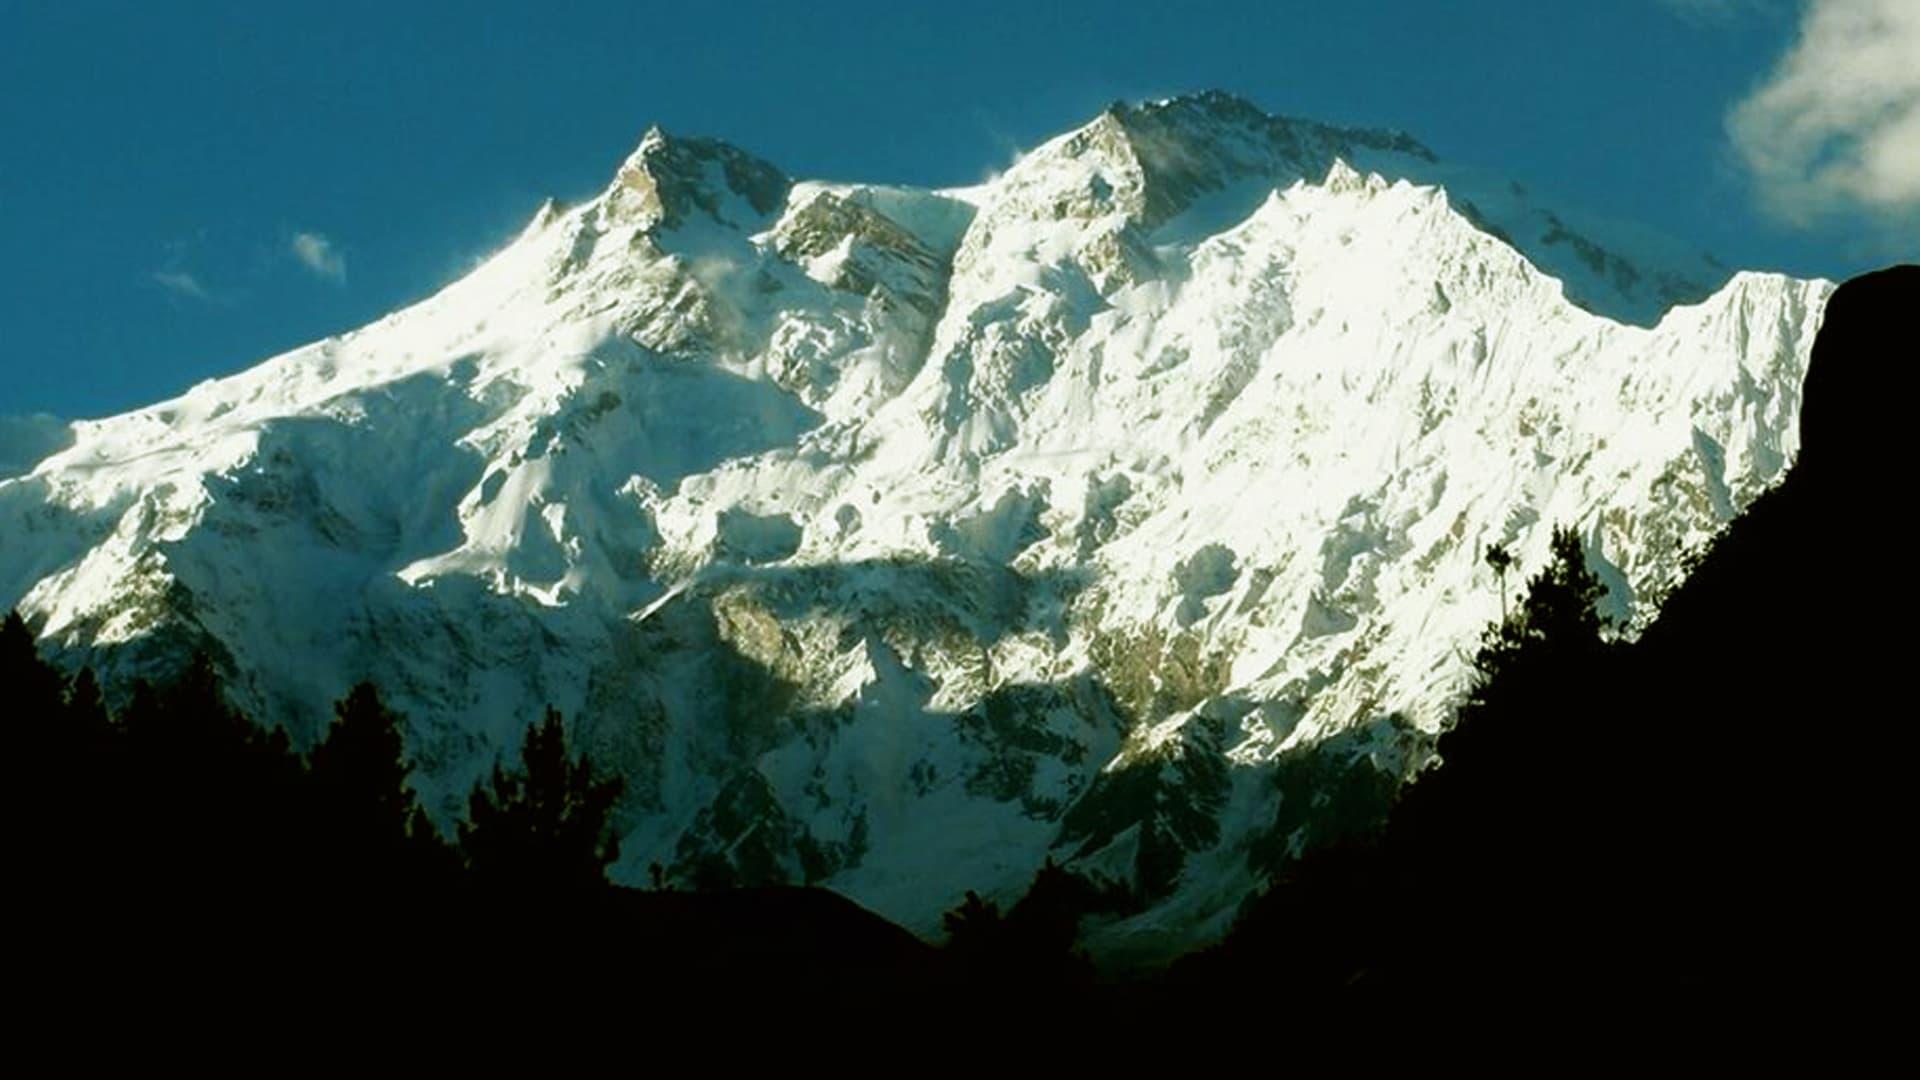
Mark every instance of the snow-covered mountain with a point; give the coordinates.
(1127, 508)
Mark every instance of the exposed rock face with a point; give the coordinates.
(1128, 509)
(668, 180)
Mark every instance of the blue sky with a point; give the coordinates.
(186, 188)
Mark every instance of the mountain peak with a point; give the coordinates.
(1343, 178)
(1214, 103)
(668, 179)
(1143, 167)
(1178, 149)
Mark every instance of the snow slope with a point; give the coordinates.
(1127, 509)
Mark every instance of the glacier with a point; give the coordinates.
(1127, 509)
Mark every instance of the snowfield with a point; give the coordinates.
(1128, 509)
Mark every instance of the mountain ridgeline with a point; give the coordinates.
(1731, 849)
(1124, 516)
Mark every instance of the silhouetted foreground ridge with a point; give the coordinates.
(1709, 816)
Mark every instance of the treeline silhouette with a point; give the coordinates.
(175, 835)
(184, 797)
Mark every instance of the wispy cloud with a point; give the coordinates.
(1707, 11)
(318, 254)
(181, 283)
(1834, 130)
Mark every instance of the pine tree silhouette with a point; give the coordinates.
(87, 710)
(545, 827)
(370, 828)
(362, 760)
(1481, 881)
(1499, 558)
(1031, 949)
(1558, 617)
(218, 801)
(973, 920)
(28, 687)
(41, 779)
(1537, 687)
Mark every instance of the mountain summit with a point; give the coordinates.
(1127, 509)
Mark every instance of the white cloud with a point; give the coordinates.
(317, 254)
(181, 283)
(1835, 129)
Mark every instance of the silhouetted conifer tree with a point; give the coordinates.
(1485, 877)
(87, 709)
(973, 927)
(41, 748)
(362, 760)
(29, 689)
(218, 801)
(545, 826)
(1045, 923)
(1500, 560)
(1032, 948)
(1558, 617)
(371, 827)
